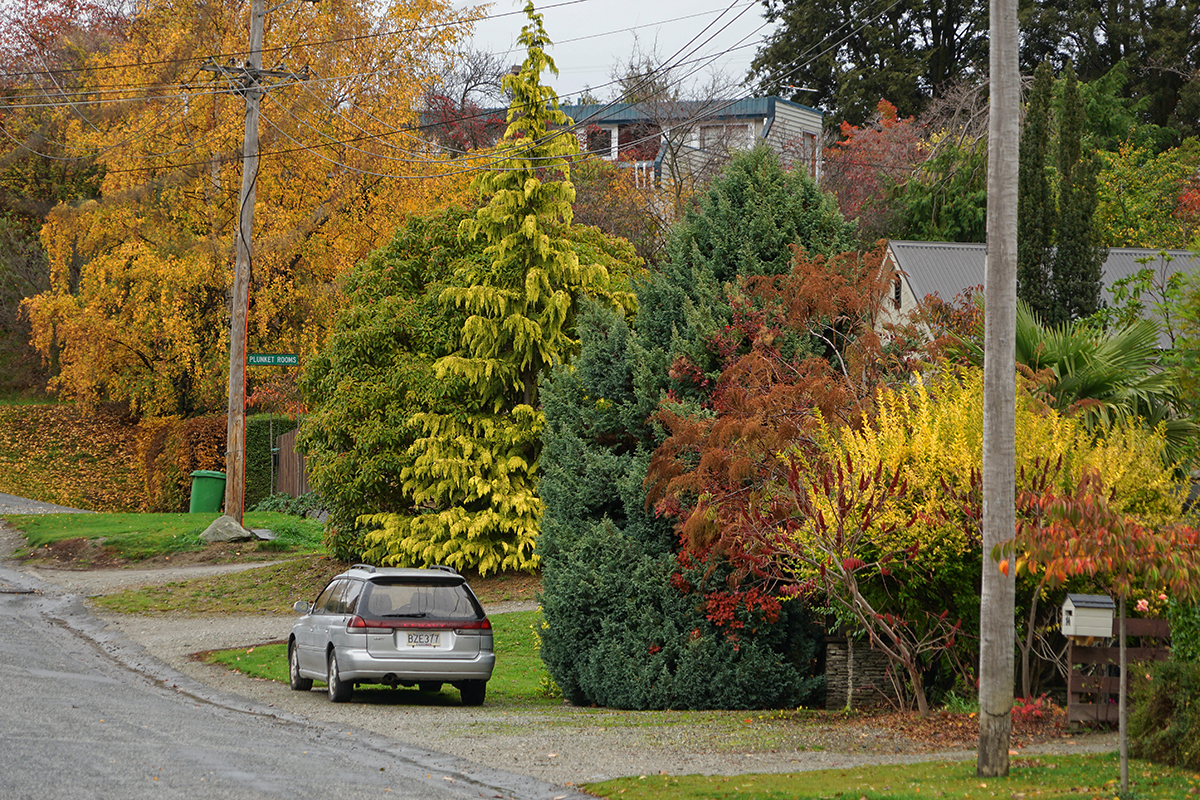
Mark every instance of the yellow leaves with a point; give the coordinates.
(160, 243)
(932, 432)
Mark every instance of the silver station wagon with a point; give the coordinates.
(399, 627)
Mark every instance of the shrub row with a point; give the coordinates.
(621, 632)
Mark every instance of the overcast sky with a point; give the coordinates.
(591, 36)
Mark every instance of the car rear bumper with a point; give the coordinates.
(358, 666)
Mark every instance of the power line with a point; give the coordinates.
(285, 48)
(184, 86)
(408, 130)
(647, 79)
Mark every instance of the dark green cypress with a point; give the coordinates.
(626, 624)
(1079, 256)
(1035, 206)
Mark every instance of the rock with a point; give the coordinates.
(225, 529)
(320, 515)
(264, 534)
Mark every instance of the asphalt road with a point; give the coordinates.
(78, 720)
(11, 504)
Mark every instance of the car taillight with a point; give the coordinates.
(358, 624)
(476, 625)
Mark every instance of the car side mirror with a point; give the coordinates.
(302, 607)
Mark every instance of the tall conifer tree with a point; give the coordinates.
(475, 471)
(1079, 255)
(1035, 205)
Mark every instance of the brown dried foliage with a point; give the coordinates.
(710, 467)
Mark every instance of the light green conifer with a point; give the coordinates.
(475, 472)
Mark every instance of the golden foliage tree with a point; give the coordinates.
(139, 278)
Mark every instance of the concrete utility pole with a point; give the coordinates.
(251, 76)
(998, 592)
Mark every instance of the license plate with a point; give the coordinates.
(423, 639)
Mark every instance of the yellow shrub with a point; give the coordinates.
(933, 433)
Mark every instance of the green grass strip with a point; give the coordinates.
(1038, 778)
(140, 536)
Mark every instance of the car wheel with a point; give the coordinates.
(473, 692)
(298, 684)
(430, 686)
(339, 690)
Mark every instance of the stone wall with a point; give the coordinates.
(867, 670)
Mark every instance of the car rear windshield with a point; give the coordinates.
(400, 598)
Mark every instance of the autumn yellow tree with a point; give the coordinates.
(137, 308)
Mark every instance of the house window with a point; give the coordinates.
(719, 138)
(810, 160)
(640, 142)
(600, 141)
(896, 293)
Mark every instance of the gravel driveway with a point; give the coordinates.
(562, 744)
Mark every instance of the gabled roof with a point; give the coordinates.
(946, 268)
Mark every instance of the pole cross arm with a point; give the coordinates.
(249, 77)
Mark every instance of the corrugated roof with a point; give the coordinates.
(946, 268)
(941, 268)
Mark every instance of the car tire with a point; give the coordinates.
(298, 683)
(472, 692)
(339, 690)
(430, 686)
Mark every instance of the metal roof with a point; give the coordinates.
(941, 268)
(1091, 601)
(946, 268)
(623, 113)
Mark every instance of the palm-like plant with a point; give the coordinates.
(1104, 377)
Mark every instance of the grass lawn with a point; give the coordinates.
(136, 537)
(1039, 778)
(264, 590)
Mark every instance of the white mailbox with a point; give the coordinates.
(1088, 615)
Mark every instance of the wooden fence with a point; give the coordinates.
(1095, 682)
(290, 476)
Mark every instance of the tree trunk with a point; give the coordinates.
(997, 600)
(1027, 647)
(918, 683)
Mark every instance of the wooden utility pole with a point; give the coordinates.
(997, 632)
(251, 77)
(235, 453)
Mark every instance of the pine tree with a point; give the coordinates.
(1035, 205)
(1079, 255)
(475, 472)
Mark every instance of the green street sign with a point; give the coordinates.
(272, 360)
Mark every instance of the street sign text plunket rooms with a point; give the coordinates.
(272, 360)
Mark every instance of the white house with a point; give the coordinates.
(698, 135)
